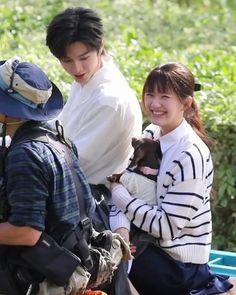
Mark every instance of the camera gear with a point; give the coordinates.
(47, 257)
(7, 281)
(77, 284)
(119, 283)
(103, 268)
(106, 254)
(107, 251)
(15, 277)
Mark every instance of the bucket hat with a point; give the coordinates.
(27, 93)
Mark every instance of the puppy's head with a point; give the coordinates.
(147, 152)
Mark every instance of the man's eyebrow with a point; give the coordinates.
(83, 54)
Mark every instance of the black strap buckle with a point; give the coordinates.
(85, 223)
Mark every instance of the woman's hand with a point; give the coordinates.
(124, 232)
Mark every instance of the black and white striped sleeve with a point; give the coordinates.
(165, 221)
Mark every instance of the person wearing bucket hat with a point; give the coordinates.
(36, 98)
(42, 203)
(45, 200)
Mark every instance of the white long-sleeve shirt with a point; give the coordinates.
(101, 118)
(181, 220)
(139, 186)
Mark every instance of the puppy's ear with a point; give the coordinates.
(137, 157)
(134, 139)
(135, 142)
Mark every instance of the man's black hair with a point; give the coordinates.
(72, 25)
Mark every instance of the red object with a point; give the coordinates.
(90, 292)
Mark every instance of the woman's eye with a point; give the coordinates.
(149, 94)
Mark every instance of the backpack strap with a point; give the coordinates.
(38, 131)
(41, 131)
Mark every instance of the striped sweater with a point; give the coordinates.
(181, 220)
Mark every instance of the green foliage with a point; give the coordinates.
(141, 34)
(224, 213)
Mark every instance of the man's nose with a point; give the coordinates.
(76, 67)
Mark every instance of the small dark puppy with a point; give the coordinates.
(146, 159)
(141, 175)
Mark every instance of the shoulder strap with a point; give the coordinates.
(32, 131)
(40, 131)
(62, 148)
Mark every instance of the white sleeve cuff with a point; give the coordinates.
(118, 220)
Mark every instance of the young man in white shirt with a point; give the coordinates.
(102, 113)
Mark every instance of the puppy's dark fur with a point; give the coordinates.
(147, 153)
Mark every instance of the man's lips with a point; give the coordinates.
(79, 76)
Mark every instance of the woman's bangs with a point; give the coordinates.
(158, 81)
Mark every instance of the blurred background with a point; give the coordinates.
(142, 34)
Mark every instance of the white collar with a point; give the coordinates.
(174, 137)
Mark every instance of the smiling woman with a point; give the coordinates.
(176, 231)
(165, 109)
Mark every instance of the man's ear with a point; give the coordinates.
(102, 49)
